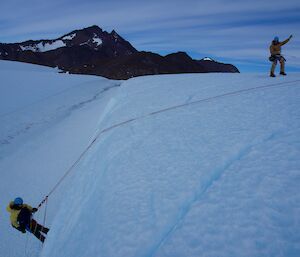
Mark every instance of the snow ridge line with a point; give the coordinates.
(51, 96)
(215, 176)
(200, 101)
(224, 95)
(154, 113)
(68, 111)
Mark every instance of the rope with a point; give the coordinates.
(45, 213)
(155, 113)
(44, 219)
(26, 246)
(292, 56)
(67, 173)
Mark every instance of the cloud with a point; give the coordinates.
(228, 29)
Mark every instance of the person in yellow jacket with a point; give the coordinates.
(21, 218)
(275, 51)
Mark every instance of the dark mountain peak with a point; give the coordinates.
(115, 36)
(94, 51)
(114, 33)
(88, 32)
(179, 56)
(92, 30)
(91, 37)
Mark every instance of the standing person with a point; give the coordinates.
(21, 218)
(275, 50)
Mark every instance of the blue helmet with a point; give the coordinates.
(18, 201)
(276, 39)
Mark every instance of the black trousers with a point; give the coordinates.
(36, 229)
(26, 222)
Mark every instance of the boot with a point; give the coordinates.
(45, 230)
(283, 73)
(272, 75)
(39, 236)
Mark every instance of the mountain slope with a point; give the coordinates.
(46, 120)
(199, 165)
(216, 177)
(96, 52)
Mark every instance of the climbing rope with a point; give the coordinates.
(26, 253)
(292, 56)
(237, 92)
(67, 173)
(45, 213)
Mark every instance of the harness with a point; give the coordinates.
(276, 57)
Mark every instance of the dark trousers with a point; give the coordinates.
(26, 222)
(36, 229)
(276, 58)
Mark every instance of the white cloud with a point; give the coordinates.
(225, 28)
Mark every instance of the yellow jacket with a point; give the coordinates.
(276, 49)
(15, 213)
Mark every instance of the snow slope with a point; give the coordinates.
(46, 119)
(214, 173)
(219, 177)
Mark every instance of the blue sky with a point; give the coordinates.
(232, 31)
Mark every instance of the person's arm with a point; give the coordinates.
(28, 207)
(285, 41)
(31, 209)
(14, 222)
(13, 218)
(8, 208)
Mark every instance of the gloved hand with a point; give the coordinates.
(34, 210)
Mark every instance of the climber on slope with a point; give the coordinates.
(21, 219)
(275, 51)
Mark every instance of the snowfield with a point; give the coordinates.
(177, 165)
(46, 120)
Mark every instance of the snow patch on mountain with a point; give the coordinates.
(33, 48)
(43, 47)
(51, 46)
(97, 40)
(207, 59)
(69, 37)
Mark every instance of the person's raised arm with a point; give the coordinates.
(285, 41)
